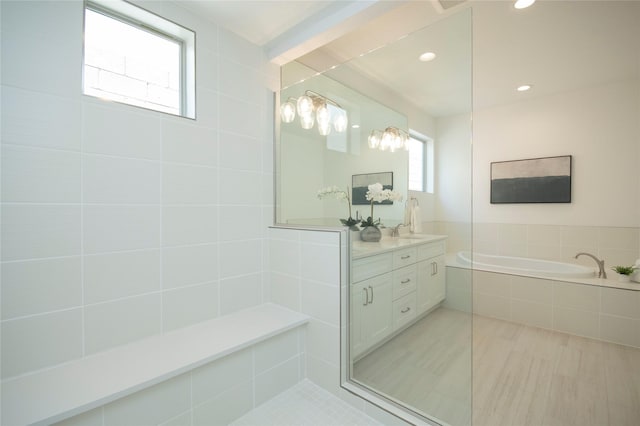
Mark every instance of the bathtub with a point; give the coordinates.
(524, 266)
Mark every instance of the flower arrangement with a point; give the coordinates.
(376, 193)
(338, 194)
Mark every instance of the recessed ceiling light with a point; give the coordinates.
(523, 88)
(427, 56)
(523, 4)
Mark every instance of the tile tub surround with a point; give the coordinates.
(615, 245)
(605, 313)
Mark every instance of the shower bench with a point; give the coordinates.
(57, 393)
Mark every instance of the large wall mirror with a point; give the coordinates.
(405, 347)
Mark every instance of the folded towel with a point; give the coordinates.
(407, 212)
(416, 220)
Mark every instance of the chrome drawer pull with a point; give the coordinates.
(405, 281)
(405, 257)
(405, 310)
(371, 288)
(366, 296)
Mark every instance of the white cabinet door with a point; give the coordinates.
(431, 283)
(378, 315)
(437, 286)
(423, 302)
(371, 312)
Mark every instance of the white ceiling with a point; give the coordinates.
(553, 45)
(259, 21)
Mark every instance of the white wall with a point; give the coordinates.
(453, 168)
(119, 223)
(598, 126)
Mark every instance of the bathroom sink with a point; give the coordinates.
(416, 237)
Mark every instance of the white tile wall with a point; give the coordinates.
(36, 342)
(118, 222)
(214, 394)
(616, 245)
(32, 174)
(603, 313)
(141, 222)
(121, 321)
(308, 275)
(36, 231)
(24, 292)
(152, 405)
(135, 136)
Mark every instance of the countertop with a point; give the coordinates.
(360, 249)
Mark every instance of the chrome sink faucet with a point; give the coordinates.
(601, 271)
(395, 231)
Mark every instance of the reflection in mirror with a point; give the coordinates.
(409, 311)
(310, 161)
(408, 322)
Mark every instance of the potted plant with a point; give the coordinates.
(370, 231)
(338, 194)
(624, 272)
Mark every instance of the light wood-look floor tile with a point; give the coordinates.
(522, 376)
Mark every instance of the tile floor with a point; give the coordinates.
(305, 404)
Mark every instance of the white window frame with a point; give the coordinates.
(427, 161)
(147, 21)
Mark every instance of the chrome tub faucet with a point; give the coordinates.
(601, 272)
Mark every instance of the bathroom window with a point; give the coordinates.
(138, 58)
(420, 163)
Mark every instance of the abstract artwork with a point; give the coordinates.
(536, 180)
(360, 184)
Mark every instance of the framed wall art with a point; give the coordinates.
(360, 184)
(536, 180)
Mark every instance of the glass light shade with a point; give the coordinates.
(324, 128)
(305, 105)
(307, 120)
(387, 140)
(374, 139)
(323, 116)
(287, 111)
(340, 122)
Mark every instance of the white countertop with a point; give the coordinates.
(361, 249)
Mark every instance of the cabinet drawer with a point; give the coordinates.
(427, 251)
(404, 281)
(404, 310)
(370, 266)
(404, 257)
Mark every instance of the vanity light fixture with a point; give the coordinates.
(391, 139)
(523, 4)
(312, 107)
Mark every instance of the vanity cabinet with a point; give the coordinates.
(371, 312)
(431, 287)
(391, 289)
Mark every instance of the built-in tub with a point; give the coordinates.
(524, 266)
(558, 296)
